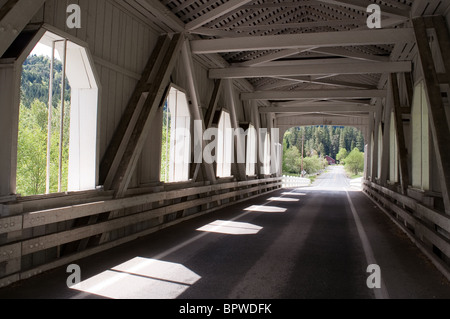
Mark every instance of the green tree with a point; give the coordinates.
(32, 149)
(292, 161)
(354, 162)
(341, 155)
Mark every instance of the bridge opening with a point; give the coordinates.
(309, 150)
(57, 148)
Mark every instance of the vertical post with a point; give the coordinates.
(303, 143)
(436, 110)
(61, 129)
(375, 162)
(402, 151)
(49, 124)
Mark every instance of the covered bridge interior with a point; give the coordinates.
(268, 65)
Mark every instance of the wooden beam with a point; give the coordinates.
(163, 14)
(273, 56)
(400, 135)
(319, 103)
(216, 13)
(14, 16)
(437, 114)
(318, 69)
(123, 131)
(409, 88)
(213, 103)
(311, 108)
(303, 41)
(443, 36)
(352, 55)
(194, 107)
(209, 116)
(153, 101)
(239, 143)
(312, 94)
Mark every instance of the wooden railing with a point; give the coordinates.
(33, 231)
(429, 227)
(293, 181)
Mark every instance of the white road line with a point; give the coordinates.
(382, 292)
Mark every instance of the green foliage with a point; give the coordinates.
(314, 164)
(342, 155)
(165, 147)
(354, 162)
(318, 142)
(32, 149)
(292, 161)
(33, 122)
(35, 81)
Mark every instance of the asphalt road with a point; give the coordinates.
(304, 243)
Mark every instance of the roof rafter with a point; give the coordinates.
(303, 41)
(313, 69)
(313, 94)
(313, 108)
(216, 13)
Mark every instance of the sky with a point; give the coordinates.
(41, 49)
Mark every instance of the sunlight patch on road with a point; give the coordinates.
(283, 199)
(265, 209)
(230, 228)
(141, 278)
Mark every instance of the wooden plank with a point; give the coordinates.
(9, 252)
(10, 224)
(421, 210)
(44, 242)
(60, 214)
(91, 251)
(400, 135)
(437, 114)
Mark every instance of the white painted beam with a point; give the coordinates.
(163, 14)
(319, 103)
(352, 55)
(216, 13)
(272, 56)
(318, 69)
(303, 41)
(313, 94)
(313, 108)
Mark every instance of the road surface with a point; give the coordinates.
(304, 243)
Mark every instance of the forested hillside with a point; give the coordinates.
(35, 81)
(318, 141)
(33, 122)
